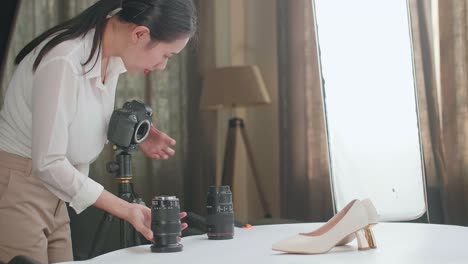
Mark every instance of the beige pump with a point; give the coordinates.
(356, 219)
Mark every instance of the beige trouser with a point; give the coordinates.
(33, 221)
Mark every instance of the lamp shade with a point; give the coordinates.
(233, 86)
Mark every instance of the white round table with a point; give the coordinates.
(396, 243)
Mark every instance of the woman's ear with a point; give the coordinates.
(141, 34)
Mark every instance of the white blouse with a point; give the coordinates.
(58, 117)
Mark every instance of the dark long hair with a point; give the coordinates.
(167, 20)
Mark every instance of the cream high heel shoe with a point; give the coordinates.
(373, 220)
(353, 219)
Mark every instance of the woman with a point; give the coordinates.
(57, 108)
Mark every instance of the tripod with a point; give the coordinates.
(122, 170)
(236, 124)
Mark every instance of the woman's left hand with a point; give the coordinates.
(156, 145)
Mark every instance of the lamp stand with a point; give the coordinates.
(236, 124)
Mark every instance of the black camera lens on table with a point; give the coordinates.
(166, 224)
(220, 213)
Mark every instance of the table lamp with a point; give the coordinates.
(228, 88)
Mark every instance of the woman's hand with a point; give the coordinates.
(156, 145)
(140, 218)
(183, 225)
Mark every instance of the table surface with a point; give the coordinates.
(396, 243)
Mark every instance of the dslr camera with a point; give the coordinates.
(130, 125)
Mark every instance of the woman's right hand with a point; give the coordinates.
(140, 218)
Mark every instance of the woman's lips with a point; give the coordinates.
(147, 71)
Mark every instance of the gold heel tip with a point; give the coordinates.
(365, 238)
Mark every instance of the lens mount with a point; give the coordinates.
(142, 131)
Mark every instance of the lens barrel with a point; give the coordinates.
(220, 213)
(165, 224)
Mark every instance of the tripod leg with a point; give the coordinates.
(266, 207)
(229, 155)
(97, 246)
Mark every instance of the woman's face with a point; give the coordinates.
(144, 55)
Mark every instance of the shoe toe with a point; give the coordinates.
(298, 244)
(286, 245)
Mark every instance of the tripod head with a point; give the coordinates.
(121, 167)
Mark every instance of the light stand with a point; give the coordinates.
(230, 87)
(122, 170)
(236, 124)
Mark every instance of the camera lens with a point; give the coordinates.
(165, 224)
(220, 217)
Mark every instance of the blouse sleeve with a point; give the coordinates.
(55, 90)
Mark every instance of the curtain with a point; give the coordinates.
(173, 95)
(441, 59)
(453, 28)
(428, 103)
(304, 170)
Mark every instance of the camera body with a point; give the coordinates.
(130, 125)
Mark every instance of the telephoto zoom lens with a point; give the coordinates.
(165, 224)
(220, 213)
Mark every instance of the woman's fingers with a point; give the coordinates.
(163, 153)
(167, 139)
(140, 217)
(170, 141)
(147, 233)
(169, 151)
(182, 215)
(183, 226)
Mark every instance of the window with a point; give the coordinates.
(370, 105)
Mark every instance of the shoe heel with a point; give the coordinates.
(365, 238)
